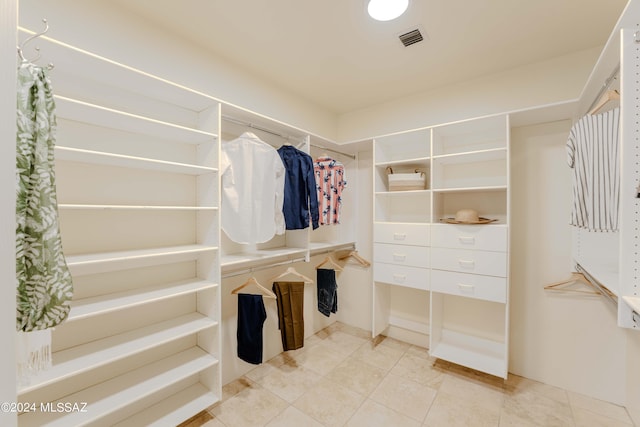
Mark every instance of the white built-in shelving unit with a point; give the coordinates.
(137, 179)
(464, 268)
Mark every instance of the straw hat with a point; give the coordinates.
(467, 216)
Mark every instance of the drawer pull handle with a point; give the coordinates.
(466, 263)
(399, 278)
(399, 257)
(465, 288)
(399, 236)
(469, 240)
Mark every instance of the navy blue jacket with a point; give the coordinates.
(300, 195)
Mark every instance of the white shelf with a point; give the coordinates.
(470, 189)
(85, 112)
(71, 206)
(471, 156)
(418, 161)
(94, 306)
(83, 358)
(403, 192)
(471, 351)
(121, 160)
(263, 256)
(112, 261)
(111, 396)
(173, 410)
(320, 247)
(633, 302)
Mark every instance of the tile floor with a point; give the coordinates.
(343, 378)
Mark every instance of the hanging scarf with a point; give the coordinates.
(44, 286)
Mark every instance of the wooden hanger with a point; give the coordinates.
(608, 96)
(575, 278)
(291, 271)
(330, 260)
(355, 255)
(252, 281)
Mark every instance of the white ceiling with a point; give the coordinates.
(331, 53)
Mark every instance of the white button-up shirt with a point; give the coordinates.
(252, 190)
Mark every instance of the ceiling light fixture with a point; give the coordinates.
(386, 10)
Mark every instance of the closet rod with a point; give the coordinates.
(613, 76)
(603, 289)
(258, 127)
(263, 267)
(351, 156)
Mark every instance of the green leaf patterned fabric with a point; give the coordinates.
(44, 285)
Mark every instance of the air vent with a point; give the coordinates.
(411, 37)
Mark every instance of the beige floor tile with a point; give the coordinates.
(292, 417)
(417, 351)
(404, 396)
(531, 408)
(213, 423)
(235, 387)
(584, 418)
(252, 407)
(599, 407)
(289, 381)
(452, 411)
(357, 375)
(343, 343)
(373, 414)
(356, 332)
(473, 391)
(322, 359)
(382, 356)
(394, 343)
(419, 369)
(329, 403)
(516, 384)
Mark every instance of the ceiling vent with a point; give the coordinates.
(411, 37)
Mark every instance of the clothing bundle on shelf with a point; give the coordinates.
(330, 182)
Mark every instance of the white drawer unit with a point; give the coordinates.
(401, 234)
(413, 256)
(482, 237)
(469, 285)
(468, 261)
(411, 277)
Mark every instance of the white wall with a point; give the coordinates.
(633, 375)
(8, 18)
(100, 27)
(565, 340)
(547, 82)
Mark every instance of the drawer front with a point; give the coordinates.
(469, 285)
(483, 237)
(411, 277)
(401, 234)
(467, 261)
(413, 256)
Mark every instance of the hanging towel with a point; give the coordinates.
(44, 286)
(290, 297)
(593, 153)
(251, 317)
(327, 291)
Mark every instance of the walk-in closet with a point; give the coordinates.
(282, 214)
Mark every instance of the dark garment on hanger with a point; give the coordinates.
(327, 291)
(300, 199)
(251, 317)
(290, 313)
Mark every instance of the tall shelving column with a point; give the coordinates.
(137, 178)
(401, 225)
(470, 263)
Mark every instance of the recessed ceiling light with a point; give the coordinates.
(386, 10)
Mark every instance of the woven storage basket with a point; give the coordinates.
(406, 181)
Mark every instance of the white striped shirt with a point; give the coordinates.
(593, 153)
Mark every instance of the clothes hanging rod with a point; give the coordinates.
(603, 289)
(613, 76)
(261, 267)
(258, 127)
(351, 156)
(281, 135)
